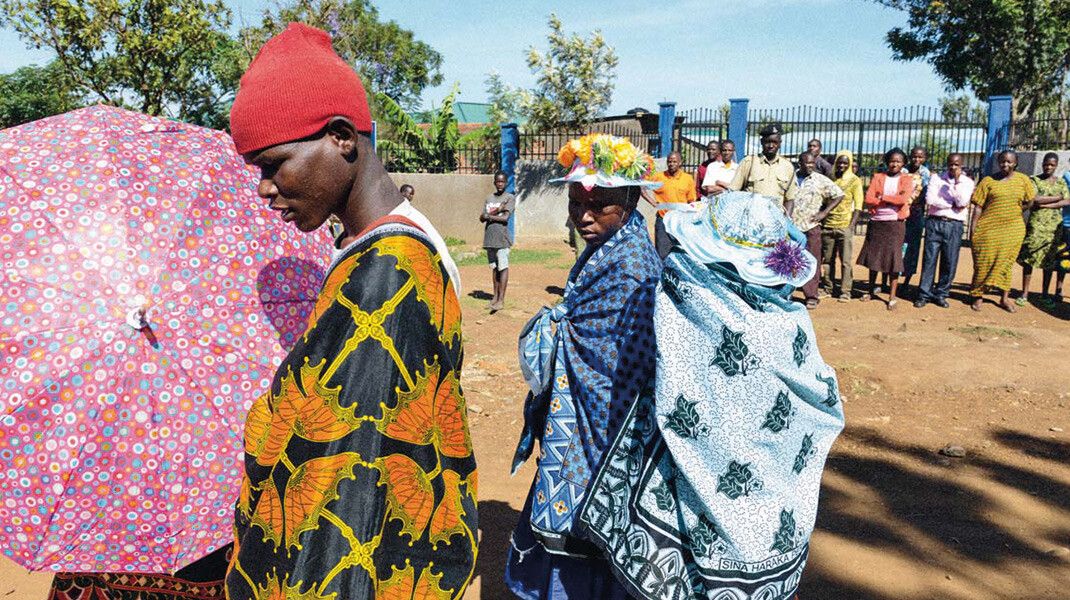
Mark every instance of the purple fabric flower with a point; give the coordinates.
(786, 259)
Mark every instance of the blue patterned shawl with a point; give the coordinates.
(586, 361)
(710, 489)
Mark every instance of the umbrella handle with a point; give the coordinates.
(137, 317)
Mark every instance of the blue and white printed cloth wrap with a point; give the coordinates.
(710, 489)
(586, 360)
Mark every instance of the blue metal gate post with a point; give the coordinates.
(999, 127)
(666, 120)
(737, 124)
(510, 152)
(375, 136)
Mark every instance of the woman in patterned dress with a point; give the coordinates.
(710, 489)
(998, 229)
(585, 373)
(1042, 233)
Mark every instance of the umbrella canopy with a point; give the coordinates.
(148, 296)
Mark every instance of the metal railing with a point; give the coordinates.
(700, 127)
(869, 133)
(1047, 130)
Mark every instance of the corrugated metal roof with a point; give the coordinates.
(471, 112)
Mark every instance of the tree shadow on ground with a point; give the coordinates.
(925, 515)
(496, 522)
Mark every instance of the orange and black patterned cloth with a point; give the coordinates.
(131, 586)
(360, 480)
(202, 580)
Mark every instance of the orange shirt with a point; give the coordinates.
(678, 188)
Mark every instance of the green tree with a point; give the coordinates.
(33, 92)
(963, 107)
(507, 103)
(208, 100)
(574, 78)
(989, 46)
(155, 56)
(407, 147)
(389, 58)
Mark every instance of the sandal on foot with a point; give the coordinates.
(1021, 301)
(892, 304)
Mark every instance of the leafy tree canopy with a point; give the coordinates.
(155, 56)
(1019, 47)
(507, 103)
(407, 147)
(33, 92)
(963, 107)
(389, 58)
(574, 78)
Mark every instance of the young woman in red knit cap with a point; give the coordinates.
(360, 480)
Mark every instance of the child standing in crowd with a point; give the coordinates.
(888, 200)
(496, 239)
(915, 224)
(1040, 248)
(838, 229)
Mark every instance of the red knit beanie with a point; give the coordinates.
(293, 87)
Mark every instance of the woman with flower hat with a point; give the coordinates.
(586, 360)
(710, 488)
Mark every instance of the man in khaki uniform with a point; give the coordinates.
(768, 173)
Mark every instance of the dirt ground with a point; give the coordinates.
(898, 521)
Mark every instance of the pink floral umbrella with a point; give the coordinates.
(148, 296)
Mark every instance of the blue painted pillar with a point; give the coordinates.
(999, 128)
(510, 152)
(737, 124)
(375, 136)
(666, 120)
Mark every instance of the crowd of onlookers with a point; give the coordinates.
(915, 219)
(913, 215)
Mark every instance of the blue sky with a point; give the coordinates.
(698, 53)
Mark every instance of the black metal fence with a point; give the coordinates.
(1046, 130)
(700, 126)
(471, 158)
(869, 133)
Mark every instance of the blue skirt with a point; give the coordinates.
(532, 573)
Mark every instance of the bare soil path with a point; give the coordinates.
(898, 521)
